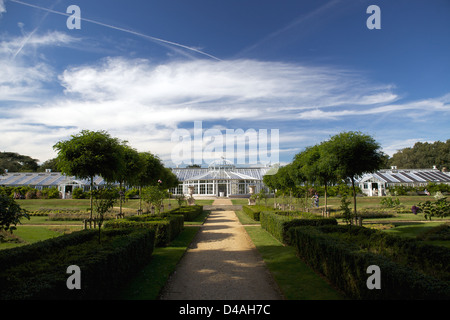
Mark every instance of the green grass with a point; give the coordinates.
(296, 280)
(36, 204)
(244, 218)
(30, 234)
(149, 282)
(411, 229)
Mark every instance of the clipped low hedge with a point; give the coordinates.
(425, 258)
(278, 222)
(166, 228)
(189, 212)
(345, 265)
(39, 271)
(255, 211)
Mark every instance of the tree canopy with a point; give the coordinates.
(14, 162)
(90, 153)
(352, 154)
(343, 157)
(423, 155)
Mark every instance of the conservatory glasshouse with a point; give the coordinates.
(375, 184)
(48, 179)
(221, 178)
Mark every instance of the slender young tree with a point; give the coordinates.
(317, 167)
(132, 167)
(90, 153)
(353, 154)
(149, 174)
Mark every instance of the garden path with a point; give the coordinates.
(221, 263)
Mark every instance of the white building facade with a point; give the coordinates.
(220, 179)
(375, 184)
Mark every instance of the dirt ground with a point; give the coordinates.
(221, 264)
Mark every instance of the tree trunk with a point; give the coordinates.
(140, 199)
(120, 199)
(92, 205)
(326, 202)
(354, 197)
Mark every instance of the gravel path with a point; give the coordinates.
(221, 264)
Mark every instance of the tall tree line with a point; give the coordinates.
(91, 153)
(342, 158)
(423, 155)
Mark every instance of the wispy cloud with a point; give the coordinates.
(23, 79)
(2, 7)
(10, 47)
(110, 26)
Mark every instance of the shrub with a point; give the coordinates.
(38, 271)
(189, 212)
(441, 232)
(165, 228)
(278, 223)
(78, 193)
(132, 194)
(255, 211)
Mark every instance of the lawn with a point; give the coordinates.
(334, 202)
(149, 282)
(296, 280)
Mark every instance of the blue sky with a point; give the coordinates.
(143, 69)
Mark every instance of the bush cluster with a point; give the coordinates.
(39, 270)
(189, 212)
(409, 270)
(27, 192)
(255, 211)
(165, 228)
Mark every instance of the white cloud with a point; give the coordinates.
(20, 78)
(143, 102)
(2, 7)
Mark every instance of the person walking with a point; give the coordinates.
(316, 200)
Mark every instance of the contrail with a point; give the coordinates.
(29, 36)
(120, 29)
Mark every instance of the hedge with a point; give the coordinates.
(278, 222)
(425, 258)
(166, 228)
(345, 265)
(39, 271)
(189, 212)
(255, 211)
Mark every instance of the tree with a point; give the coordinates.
(14, 162)
(149, 174)
(104, 199)
(281, 181)
(316, 165)
(154, 195)
(90, 153)
(132, 167)
(423, 155)
(352, 154)
(169, 179)
(10, 213)
(49, 164)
